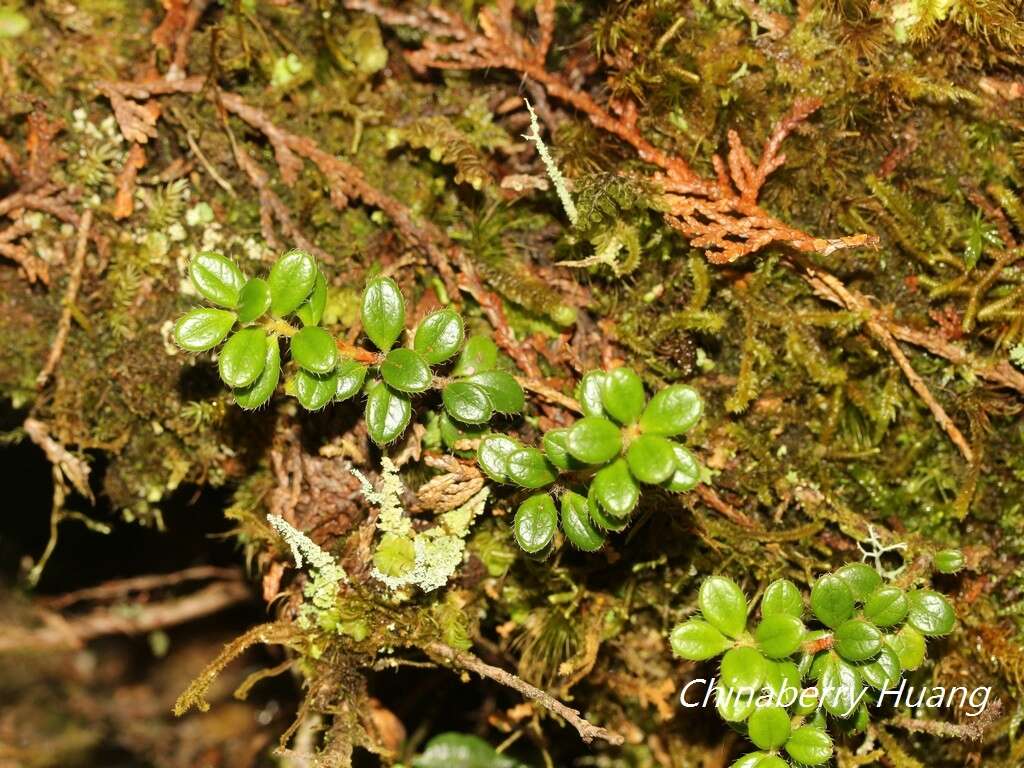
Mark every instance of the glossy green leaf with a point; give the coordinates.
(687, 473)
(769, 727)
(752, 760)
(832, 600)
(861, 578)
(383, 312)
(439, 336)
(930, 613)
(467, 402)
(857, 640)
(734, 706)
(723, 603)
(810, 746)
(884, 671)
(314, 349)
(576, 524)
(527, 467)
(672, 411)
(217, 279)
(949, 561)
(351, 376)
(779, 635)
(460, 750)
(651, 459)
(535, 523)
(782, 674)
(253, 300)
(622, 395)
(503, 391)
(909, 646)
(594, 440)
(406, 370)
(602, 519)
(782, 596)
(840, 685)
(743, 668)
(886, 606)
(260, 391)
(202, 328)
(291, 281)
(314, 390)
(311, 311)
(242, 358)
(615, 489)
(556, 446)
(492, 456)
(588, 392)
(697, 640)
(387, 413)
(480, 354)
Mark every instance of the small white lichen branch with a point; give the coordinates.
(561, 186)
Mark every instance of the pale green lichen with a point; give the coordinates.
(321, 591)
(404, 557)
(561, 187)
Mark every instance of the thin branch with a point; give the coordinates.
(70, 296)
(118, 588)
(587, 731)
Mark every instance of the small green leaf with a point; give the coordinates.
(406, 370)
(601, 518)
(314, 349)
(253, 300)
(930, 613)
(460, 750)
(782, 596)
(351, 376)
(616, 490)
(576, 523)
(722, 603)
(492, 456)
(387, 413)
(535, 523)
(259, 392)
(243, 357)
(480, 354)
(439, 336)
(909, 646)
(556, 447)
(886, 606)
(949, 561)
(218, 279)
(312, 390)
(782, 674)
(809, 745)
(527, 467)
(651, 459)
(311, 311)
(857, 640)
(622, 395)
(743, 668)
(594, 440)
(831, 600)
(672, 411)
(291, 280)
(502, 390)
(840, 684)
(755, 760)
(687, 473)
(769, 727)
(884, 671)
(383, 312)
(697, 640)
(467, 402)
(861, 578)
(589, 393)
(395, 556)
(202, 328)
(734, 706)
(779, 635)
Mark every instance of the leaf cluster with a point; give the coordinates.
(863, 632)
